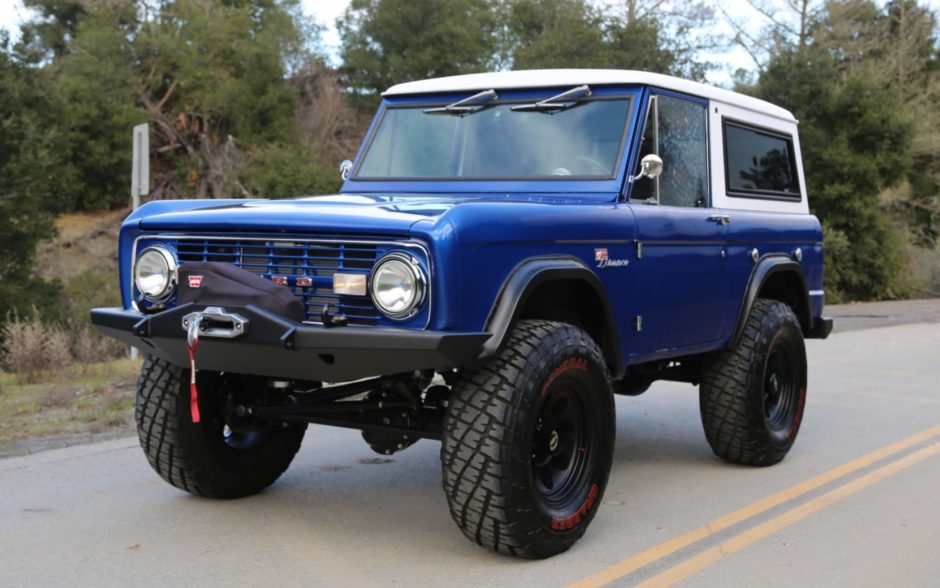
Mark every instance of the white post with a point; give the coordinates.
(140, 175)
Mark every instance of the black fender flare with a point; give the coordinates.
(522, 282)
(766, 267)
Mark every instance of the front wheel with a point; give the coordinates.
(752, 395)
(223, 456)
(528, 442)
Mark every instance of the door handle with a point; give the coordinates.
(721, 219)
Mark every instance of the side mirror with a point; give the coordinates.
(650, 167)
(346, 167)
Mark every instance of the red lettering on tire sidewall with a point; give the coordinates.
(572, 363)
(579, 515)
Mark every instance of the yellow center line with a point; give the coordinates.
(667, 548)
(714, 554)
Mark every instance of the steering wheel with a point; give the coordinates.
(600, 168)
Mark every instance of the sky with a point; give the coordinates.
(326, 12)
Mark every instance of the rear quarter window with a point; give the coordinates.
(759, 163)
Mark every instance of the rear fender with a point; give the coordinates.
(770, 271)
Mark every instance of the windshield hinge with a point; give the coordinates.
(561, 101)
(468, 105)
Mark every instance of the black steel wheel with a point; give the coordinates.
(752, 396)
(528, 442)
(227, 454)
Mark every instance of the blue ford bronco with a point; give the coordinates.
(507, 252)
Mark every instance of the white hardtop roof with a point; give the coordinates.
(542, 78)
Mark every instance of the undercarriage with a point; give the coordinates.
(392, 411)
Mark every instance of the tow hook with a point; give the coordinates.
(331, 320)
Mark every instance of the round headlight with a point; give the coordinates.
(397, 285)
(155, 273)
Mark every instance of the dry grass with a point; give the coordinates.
(31, 349)
(60, 381)
(92, 398)
(84, 241)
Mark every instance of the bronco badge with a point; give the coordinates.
(602, 257)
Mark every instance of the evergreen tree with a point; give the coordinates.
(385, 42)
(32, 177)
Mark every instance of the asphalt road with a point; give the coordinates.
(856, 503)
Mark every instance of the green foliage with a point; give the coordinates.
(385, 42)
(554, 33)
(578, 33)
(52, 33)
(640, 44)
(284, 170)
(209, 75)
(95, 95)
(227, 61)
(30, 166)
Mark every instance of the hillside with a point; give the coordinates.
(83, 257)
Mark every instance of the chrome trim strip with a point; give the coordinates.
(406, 244)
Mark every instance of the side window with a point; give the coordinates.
(676, 130)
(759, 163)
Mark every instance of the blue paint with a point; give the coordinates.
(688, 285)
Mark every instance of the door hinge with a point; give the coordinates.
(639, 250)
(639, 322)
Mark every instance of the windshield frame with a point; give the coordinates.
(608, 185)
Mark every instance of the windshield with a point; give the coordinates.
(498, 143)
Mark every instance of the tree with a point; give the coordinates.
(644, 35)
(664, 36)
(911, 68)
(32, 175)
(211, 76)
(93, 87)
(553, 33)
(53, 32)
(385, 42)
(787, 26)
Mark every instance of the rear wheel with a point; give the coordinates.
(528, 442)
(223, 456)
(752, 396)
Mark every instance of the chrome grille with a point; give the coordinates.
(289, 260)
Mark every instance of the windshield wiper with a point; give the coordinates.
(562, 101)
(467, 105)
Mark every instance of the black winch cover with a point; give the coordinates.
(216, 283)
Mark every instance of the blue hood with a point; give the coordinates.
(342, 213)
(391, 215)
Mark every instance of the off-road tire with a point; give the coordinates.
(195, 456)
(488, 450)
(745, 423)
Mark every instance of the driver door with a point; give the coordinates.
(681, 281)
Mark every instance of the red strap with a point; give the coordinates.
(193, 394)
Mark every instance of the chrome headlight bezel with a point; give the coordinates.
(163, 256)
(412, 270)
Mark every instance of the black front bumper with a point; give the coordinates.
(278, 347)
